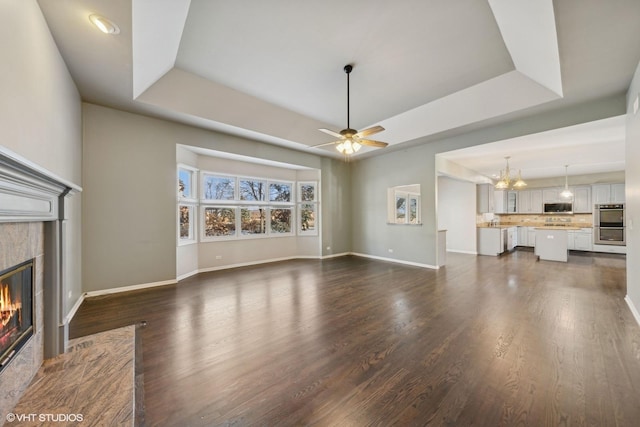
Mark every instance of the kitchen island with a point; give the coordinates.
(552, 244)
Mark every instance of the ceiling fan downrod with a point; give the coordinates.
(347, 69)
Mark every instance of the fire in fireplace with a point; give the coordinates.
(16, 309)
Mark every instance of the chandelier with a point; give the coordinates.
(506, 180)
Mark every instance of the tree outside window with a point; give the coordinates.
(252, 220)
(218, 187)
(281, 220)
(219, 221)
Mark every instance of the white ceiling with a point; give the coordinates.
(273, 71)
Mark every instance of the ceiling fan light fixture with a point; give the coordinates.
(350, 140)
(103, 24)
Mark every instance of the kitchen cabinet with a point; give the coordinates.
(551, 195)
(582, 199)
(505, 201)
(530, 201)
(607, 193)
(496, 240)
(531, 237)
(499, 201)
(512, 238)
(512, 202)
(485, 198)
(491, 241)
(523, 236)
(580, 240)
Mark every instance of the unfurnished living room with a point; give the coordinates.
(335, 213)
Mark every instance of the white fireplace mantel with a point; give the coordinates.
(30, 193)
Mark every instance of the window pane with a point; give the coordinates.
(401, 208)
(219, 187)
(219, 222)
(307, 192)
(279, 192)
(186, 224)
(184, 183)
(281, 220)
(307, 217)
(413, 210)
(252, 221)
(252, 190)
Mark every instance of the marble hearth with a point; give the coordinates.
(32, 226)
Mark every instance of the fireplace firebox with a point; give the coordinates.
(16, 309)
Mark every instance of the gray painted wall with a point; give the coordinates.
(129, 213)
(632, 189)
(129, 208)
(416, 165)
(40, 114)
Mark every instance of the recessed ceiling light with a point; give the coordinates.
(104, 24)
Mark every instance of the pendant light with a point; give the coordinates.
(566, 193)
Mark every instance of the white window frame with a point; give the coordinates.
(204, 237)
(392, 210)
(193, 172)
(314, 203)
(187, 200)
(254, 179)
(204, 199)
(193, 215)
(292, 218)
(266, 204)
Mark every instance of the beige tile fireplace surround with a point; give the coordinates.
(32, 227)
(22, 241)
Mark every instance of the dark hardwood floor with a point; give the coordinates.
(355, 342)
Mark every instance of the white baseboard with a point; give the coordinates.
(336, 255)
(129, 288)
(397, 261)
(246, 264)
(462, 252)
(187, 275)
(74, 309)
(633, 309)
(225, 267)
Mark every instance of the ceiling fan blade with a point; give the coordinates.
(325, 144)
(372, 143)
(330, 132)
(369, 131)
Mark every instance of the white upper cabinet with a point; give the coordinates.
(551, 195)
(530, 201)
(582, 199)
(485, 198)
(607, 193)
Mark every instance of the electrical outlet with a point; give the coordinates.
(390, 250)
(218, 256)
(328, 248)
(70, 294)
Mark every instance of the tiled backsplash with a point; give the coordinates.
(575, 220)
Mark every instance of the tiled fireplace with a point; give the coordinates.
(32, 225)
(21, 242)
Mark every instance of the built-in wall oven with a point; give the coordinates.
(608, 224)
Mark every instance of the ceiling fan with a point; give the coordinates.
(350, 140)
